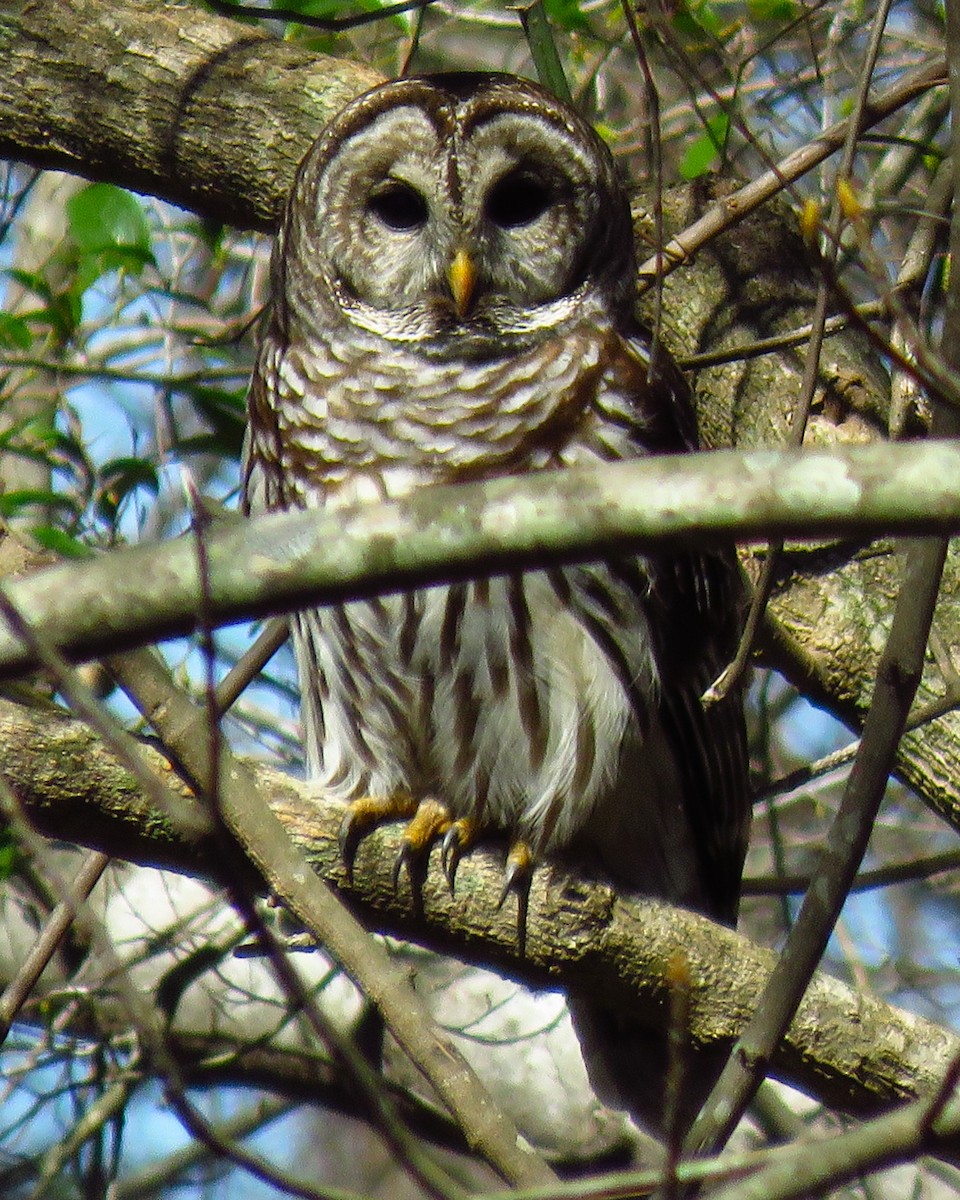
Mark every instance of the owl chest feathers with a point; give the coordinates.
(493, 696)
(512, 698)
(357, 423)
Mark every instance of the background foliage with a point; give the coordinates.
(125, 345)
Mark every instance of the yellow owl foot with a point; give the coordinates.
(364, 815)
(426, 820)
(430, 821)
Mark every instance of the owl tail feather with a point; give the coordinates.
(656, 1077)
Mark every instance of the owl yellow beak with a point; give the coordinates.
(463, 281)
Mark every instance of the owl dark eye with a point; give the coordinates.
(517, 199)
(398, 206)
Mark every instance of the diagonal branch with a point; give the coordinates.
(732, 209)
(167, 99)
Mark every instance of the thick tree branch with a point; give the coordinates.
(285, 560)
(166, 99)
(850, 1050)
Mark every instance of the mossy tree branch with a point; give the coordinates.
(287, 560)
(166, 99)
(850, 1050)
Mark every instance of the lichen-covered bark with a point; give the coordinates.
(839, 621)
(282, 561)
(164, 98)
(850, 1050)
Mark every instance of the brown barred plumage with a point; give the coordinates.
(453, 299)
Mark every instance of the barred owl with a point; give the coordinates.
(453, 299)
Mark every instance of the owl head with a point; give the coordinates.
(457, 210)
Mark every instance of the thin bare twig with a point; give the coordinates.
(727, 212)
(898, 675)
(732, 675)
(55, 928)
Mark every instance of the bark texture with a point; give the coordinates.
(833, 600)
(850, 1050)
(166, 99)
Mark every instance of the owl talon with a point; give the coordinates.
(459, 838)
(518, 871)
(413, 860)
(363, 816)
(517, 877)
(430, 821)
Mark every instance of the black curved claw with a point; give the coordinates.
(451, 851)
(415, 858)
(513, 881)
(517, 877)
(404, 859)
(363, 815)
(348, 838)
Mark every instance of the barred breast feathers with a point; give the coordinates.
(503, 703)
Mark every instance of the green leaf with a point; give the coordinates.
(13, 503)
(49, 537)
(9, 854)
(121, 476)
(137, 470)
(225, 412)
(67, 448)
(31, 281)
(14, 332)
(698, 19)
(705, 151)
(210, 232)
(65, 312)
(543, 50)
(315, 8)
(567, 15)
(103, 217)
(96, 263)
(780, 11)
(61, 308)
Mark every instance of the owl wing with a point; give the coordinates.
(695, 608)
(711, 754)
(276, 388)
